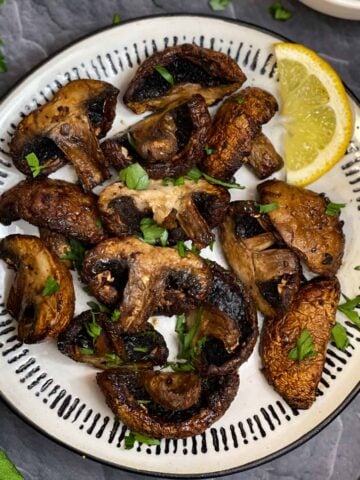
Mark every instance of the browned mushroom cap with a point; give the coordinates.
(39, 313)
(263, 159)
(144, 279)
(193, 69)
(167, 144)
(128, 399)
(53, 204)
(236, 124)
(314, 309)
(304, 225)
(271, 274)
(66, 129)
(57, 243)
(108, 350)
(228, 326)
(195, 208)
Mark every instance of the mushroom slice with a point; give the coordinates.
(313, 310)
(126, 395)
(41, 297)
(305, 227)
(54, 204)
(188, 211)
(271, 273)
(168, 143)
(236, 125)
(57, 243)
(108, 350)
(191, 69)
(263, 159)
(228, 328)
(143, 279)
(67, 129)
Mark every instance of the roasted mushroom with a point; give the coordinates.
(263, 159)
(57, 243)
(191, 70)
(89, 338)
(67, 129)
(143, 280)
(302, 221)
(236, 125)
(188, 211)
(136, 405)
(168, 143)
(41, 297)
(271, 272)
(54, 204)
(227, 330)
(313, 311)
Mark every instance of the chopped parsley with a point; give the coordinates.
(3, 64)
(141, 349)
(240, 100)
(181, 248)
(348, 309)
(51, 286)
(87, 351)
(216, 181)
(116, 19)
(181, 366)
(340, 337)
(334, 209)
(305, 347)
(115, 315)
(98, 223)
(279, 12)
(98, 307)
(8, 470)
(93, 329)
(143, 402)
(33, 161)
(131, 141)
(194, 174)
(186, 339)
(76, 253)
(164, 72)
(138, 437)
(267, 207)
(218, 5)
(208, 150)
(152, 232)
(134, 177)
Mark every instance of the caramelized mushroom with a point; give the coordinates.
(57, 243)
(263, 159)
(108, 350)
(193, 70)
(304, 225)
(168, 143)
(67, 129)
(41, 312)
(143, 280)
(228, 326)
(314, 310)
(128, 398)
(270, 272)
(236, 125)
(188, 211)
(54, 204)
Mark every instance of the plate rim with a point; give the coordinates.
(250, 465)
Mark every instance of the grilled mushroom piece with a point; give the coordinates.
(137, 407)
(263, 159)
(107, 349)
(228, 327)
(41, 312)
(67, 129)
(236, 125)
(192, 69)
(168, 143)
(57, 243)
(314, 310)
(305, 227)
(187, 211)
(54, 204)
(143, 280)
(271, 272)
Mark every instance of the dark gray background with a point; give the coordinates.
(33, 30)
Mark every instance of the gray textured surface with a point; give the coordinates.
(32, 30)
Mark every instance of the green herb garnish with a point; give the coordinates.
(267, 207)
(357, 267)
(134, 177)
(152, 232)
(113, 357)
(348, 309)
(8, 471)
(116, 19)
(51, 286)
(194, 174)
(218, 5)
(164, 72)
(138, 437)
(32, 160)
(334, 209)
(131, 141)
(279, 12)
(76, 253)
(87, 351)
(3, 64)
(181, 248)
(304, 347)
(240, 100)
(143, 402)
(208, 150)
(98, 307)
(98, 223)
(340, 337)
(115, 315)
(93, 329)
(216, 181)
(181, 366)
(141, 349)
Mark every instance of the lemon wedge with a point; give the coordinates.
(318, 118)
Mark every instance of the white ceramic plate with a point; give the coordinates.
(348, 9)
(61, 397)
